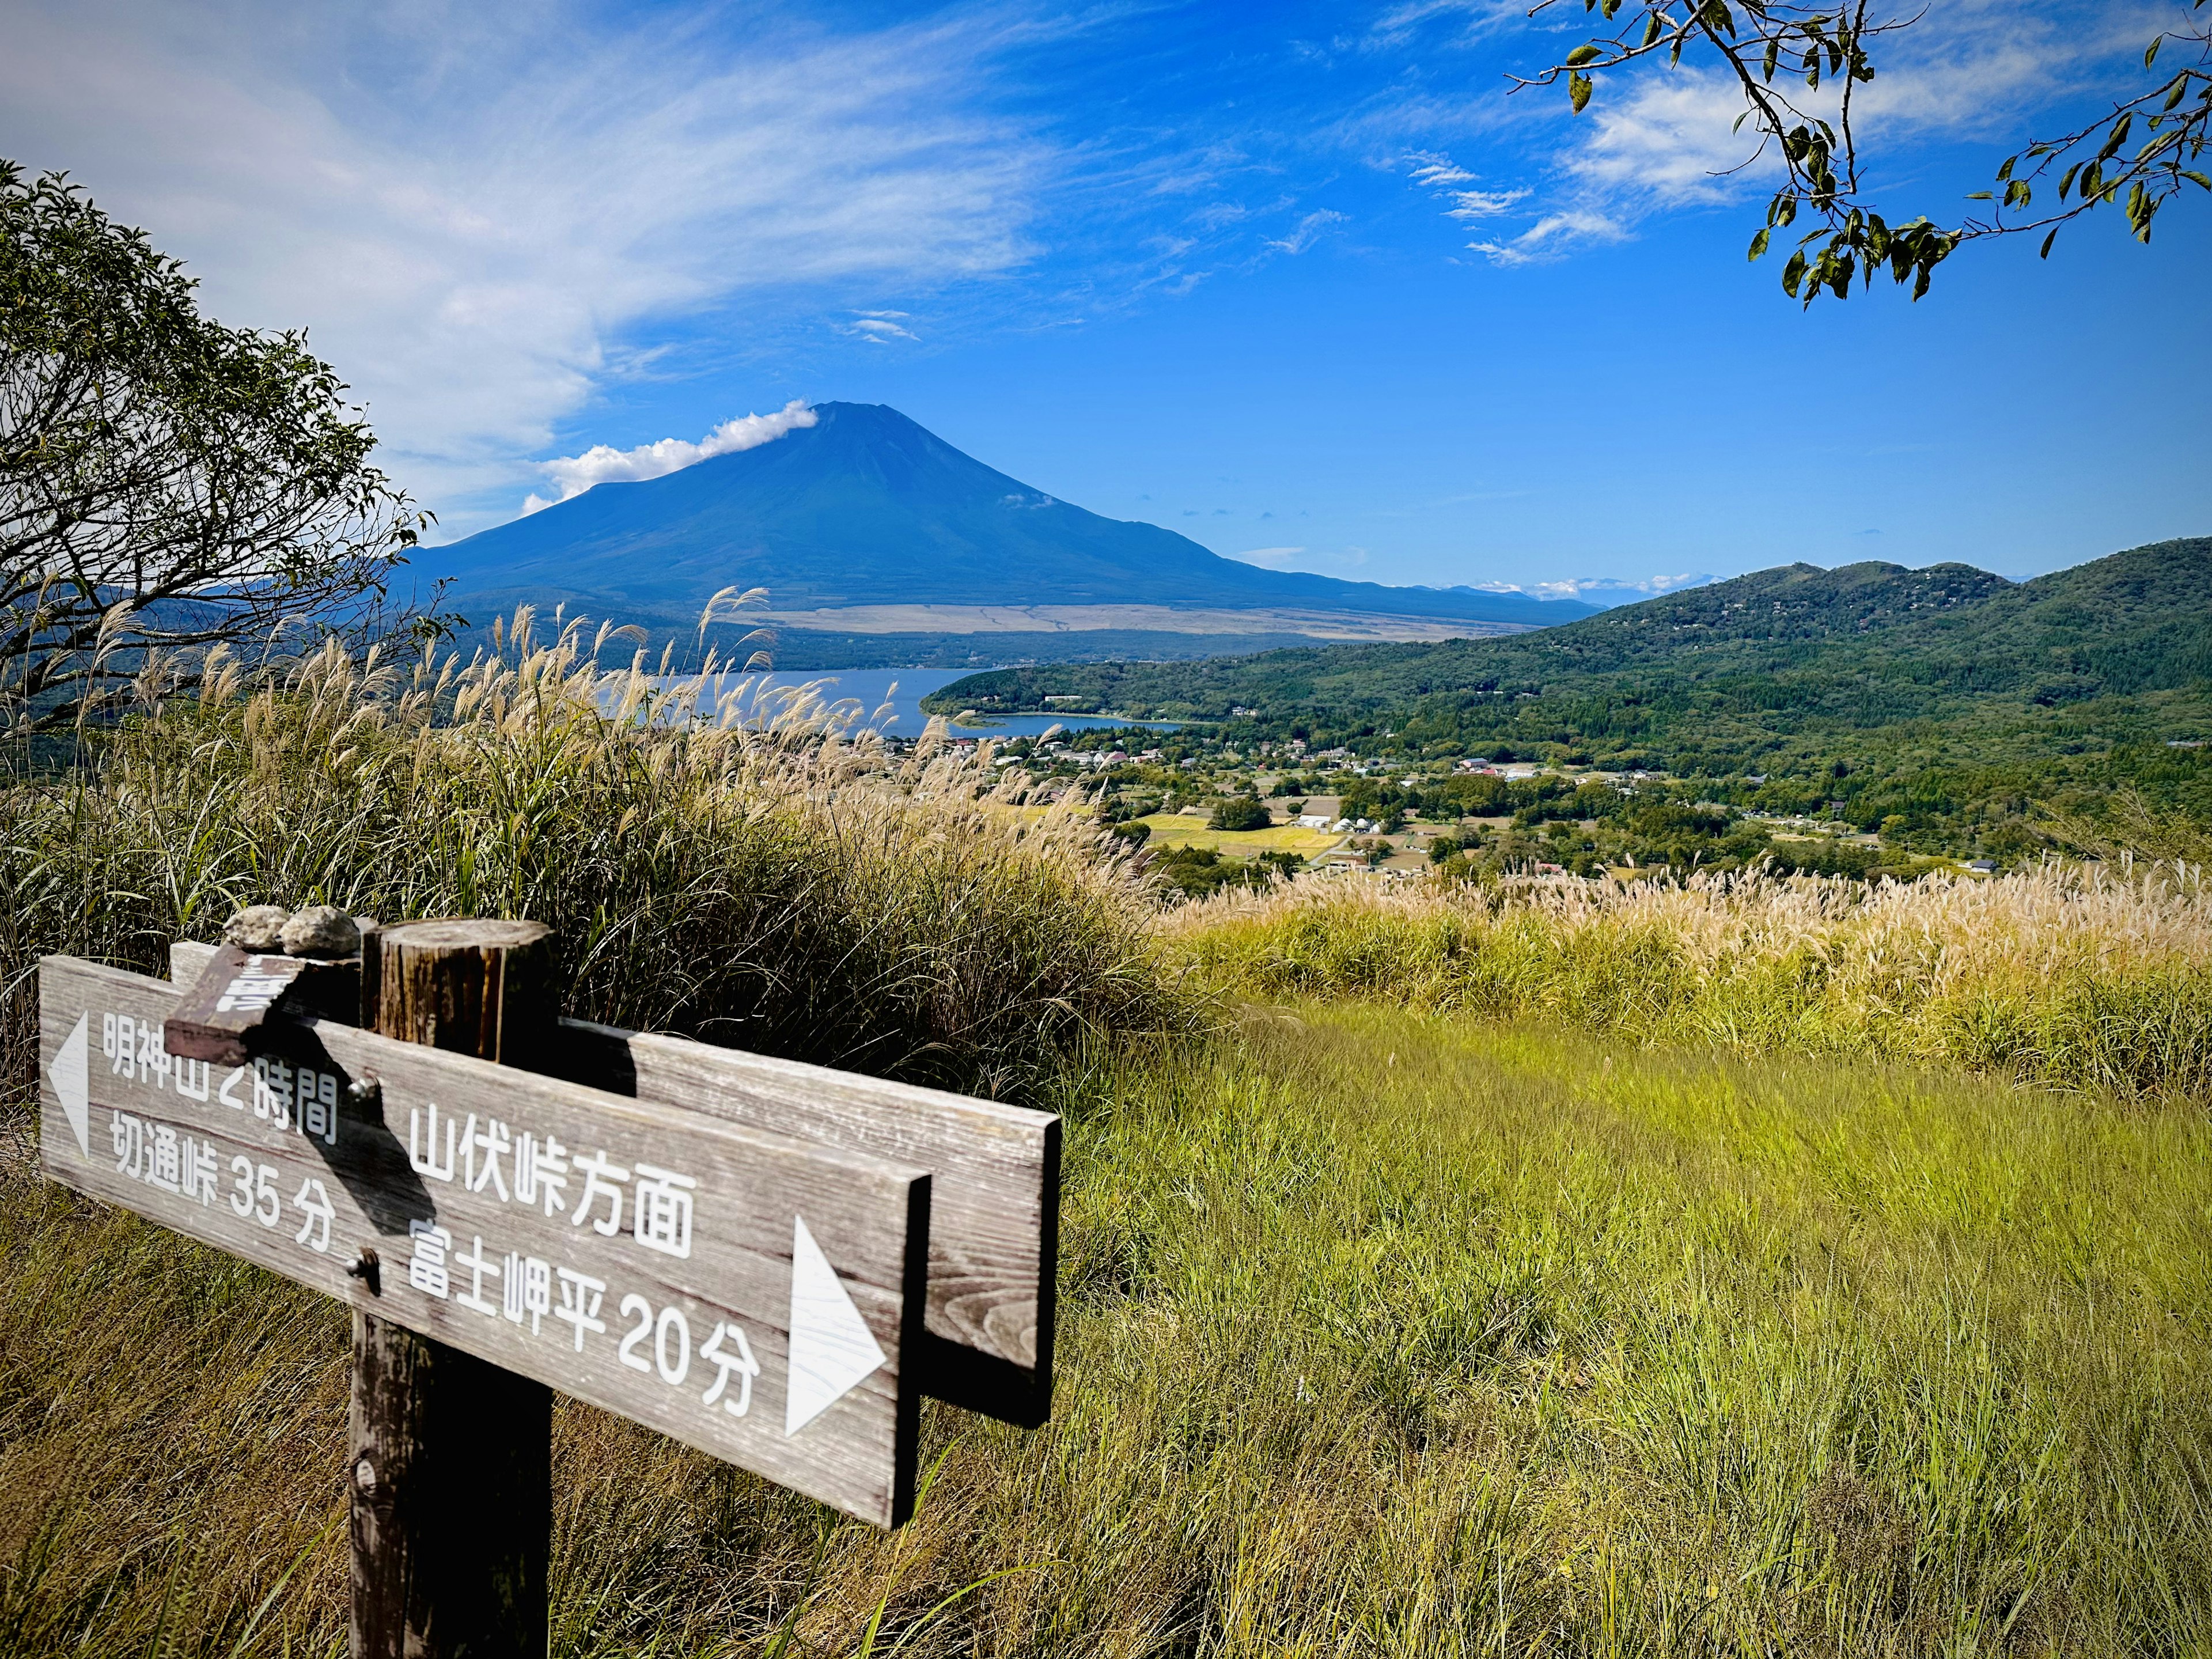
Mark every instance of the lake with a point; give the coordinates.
(896, 694)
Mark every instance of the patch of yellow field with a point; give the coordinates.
(1172, 830)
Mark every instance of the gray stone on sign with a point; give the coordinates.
(323, 931)
(258, 927)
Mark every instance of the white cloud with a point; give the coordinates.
(1308, 231)
(1485, 203)
(1669, 139)
(1553, 237)
(1437, 172)
(479, 212)
(571, 475)
(1602, 590)
(879, 326)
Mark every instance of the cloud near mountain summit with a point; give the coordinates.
(571, 475)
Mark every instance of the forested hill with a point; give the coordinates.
(1870, 666)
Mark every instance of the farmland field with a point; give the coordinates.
(1176, 830)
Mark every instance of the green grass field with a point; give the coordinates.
(1383, 1332)
(1173, 830)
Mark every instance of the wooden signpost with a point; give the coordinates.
(994, 1198)
(756, 1258)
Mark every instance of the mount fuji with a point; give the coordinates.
(876, 537)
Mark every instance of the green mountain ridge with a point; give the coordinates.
(1906, 694)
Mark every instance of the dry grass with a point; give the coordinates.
(2076, 976)
(765, 883)
(1624, 1327)
(1383, 1333)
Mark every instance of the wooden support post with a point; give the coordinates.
(451, 1457)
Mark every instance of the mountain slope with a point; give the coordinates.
(867, 509)
(1764, 621)
(1870, 661)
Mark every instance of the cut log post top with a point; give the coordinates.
(473, 988)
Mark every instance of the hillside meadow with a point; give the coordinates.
(1740, 1266)
(2079, 977)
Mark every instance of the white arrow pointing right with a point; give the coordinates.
(832, 1350)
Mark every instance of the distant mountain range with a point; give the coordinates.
(875, 538)
(1870, 667)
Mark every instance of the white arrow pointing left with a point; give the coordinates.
(72, 1084)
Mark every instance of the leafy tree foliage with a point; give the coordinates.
(1826, 49)
(167, 485)
(1240, 813)
(1199, 871)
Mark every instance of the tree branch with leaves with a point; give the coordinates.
(167, 484)
(1782, 56)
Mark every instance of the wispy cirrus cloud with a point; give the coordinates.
(1471, 19)
(1553, 237)
(485, 216)
(1439, 173)
(1483, 203)
(1308, 231)
(879, 326)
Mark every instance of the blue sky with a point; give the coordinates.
(1301, 282)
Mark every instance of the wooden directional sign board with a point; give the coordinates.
(995, 1190)
(753, 1295)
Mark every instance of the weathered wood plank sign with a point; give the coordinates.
(235, 990)
(995, 1190)
(994, 1195)
(751, 1294)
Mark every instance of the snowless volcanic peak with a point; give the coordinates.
(868, 521)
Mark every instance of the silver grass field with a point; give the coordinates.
(1750, 1266)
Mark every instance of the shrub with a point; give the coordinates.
(1197, 872)
(1242, 812)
